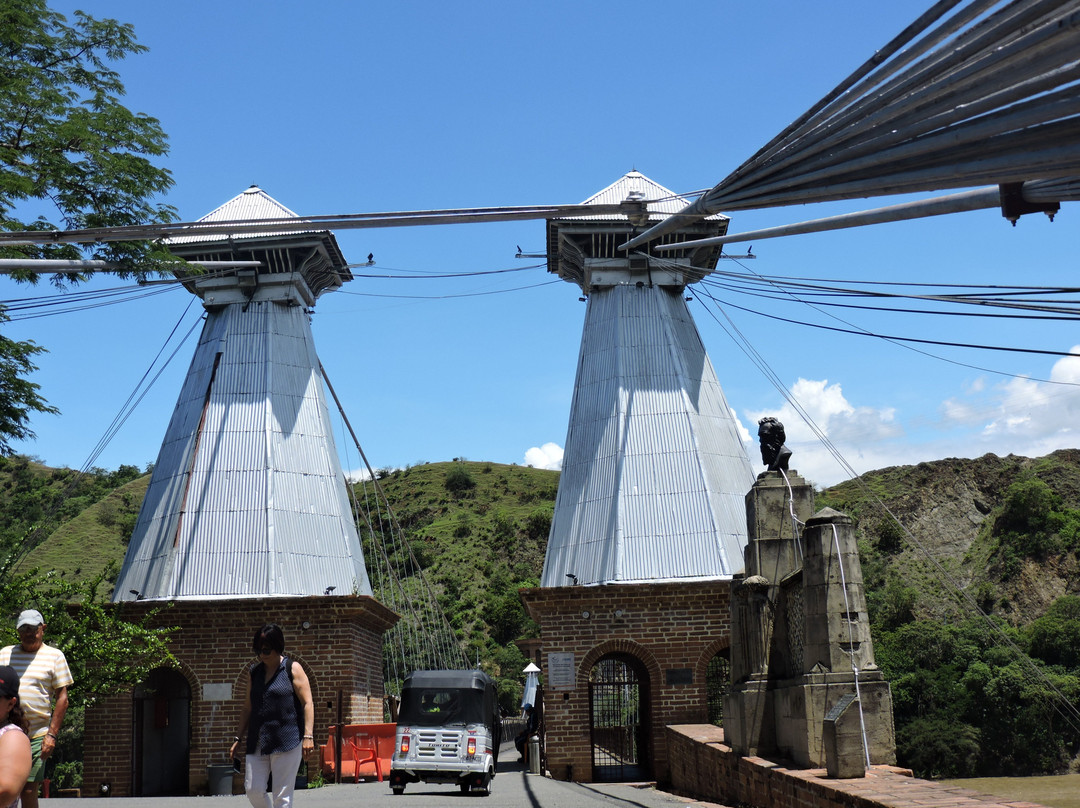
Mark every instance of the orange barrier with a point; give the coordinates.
(366, 750)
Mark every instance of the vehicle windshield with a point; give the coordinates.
(439, 706)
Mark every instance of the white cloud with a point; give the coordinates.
(864, 436)
(1021, 416)
(833, 414)
(744, 433)
(1038, 413)
(548, 456)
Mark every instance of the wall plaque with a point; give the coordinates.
(679, 676)
(561, 672)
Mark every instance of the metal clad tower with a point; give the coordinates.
(654, 470)
(247, 497)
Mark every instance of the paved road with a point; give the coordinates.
(511, 788)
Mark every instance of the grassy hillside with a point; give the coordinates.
(479, 530)
(64, 520)
(86, 544)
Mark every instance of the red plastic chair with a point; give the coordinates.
(366, 754)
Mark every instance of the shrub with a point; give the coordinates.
(890, 536)
(935, 747)
(1028, 505)
(458, 480)
(538, 525)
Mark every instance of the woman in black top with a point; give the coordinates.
(278, 717)
(14, 745)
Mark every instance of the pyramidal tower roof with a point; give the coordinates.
(251, 203)
(314, 254)
(662, 202)
(247, 497)
(654, 471)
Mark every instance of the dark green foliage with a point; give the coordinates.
(1055, 637)
(1033, 523)
(458, 480)
(67, 140)
(1027, 508)
(936, 747)
(19, 397)
(106, 649)
(538, 525)
(894, 605)
(890, 536)
(965, 704)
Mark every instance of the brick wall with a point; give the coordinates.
(703, 767)
(664, 626)
(340, 649)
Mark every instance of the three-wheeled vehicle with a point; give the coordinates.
(448, 731)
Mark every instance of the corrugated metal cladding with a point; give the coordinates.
(255, 504)
(654, 473)
(634, 182)
(252, 203)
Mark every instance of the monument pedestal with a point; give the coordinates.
(748, 717)
(804, 683)
(801, 707)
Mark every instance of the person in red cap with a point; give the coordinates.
(14, 744)
(44, 681)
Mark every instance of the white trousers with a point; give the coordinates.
(283, 766)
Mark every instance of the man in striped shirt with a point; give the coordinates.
(43, 682)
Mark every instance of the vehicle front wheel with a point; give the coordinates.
(464, 787)
(398, 790)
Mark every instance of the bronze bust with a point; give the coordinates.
(774, 453)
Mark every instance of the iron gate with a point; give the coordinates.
(616, 708)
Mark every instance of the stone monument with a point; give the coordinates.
(804, 685)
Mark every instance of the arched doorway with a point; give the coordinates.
(717, 684)
(162, 736)
(618, 714)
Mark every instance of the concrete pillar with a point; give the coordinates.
(838, 655)
(775, 508)
(834, 601)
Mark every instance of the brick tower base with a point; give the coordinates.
(670, 630)
(138, 742)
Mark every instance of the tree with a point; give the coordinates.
(1055, 637)
(65, 138)
(67, 141)
(67, 145)
(19, 397)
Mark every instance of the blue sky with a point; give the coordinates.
(345, 107)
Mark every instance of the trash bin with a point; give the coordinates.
(219, 779)
(534, 755)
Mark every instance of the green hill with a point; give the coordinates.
(62, 520)
(479, 530)
(86, 544)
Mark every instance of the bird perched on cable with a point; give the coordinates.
(371, 258)
(519, 249)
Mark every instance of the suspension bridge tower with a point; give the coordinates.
(246, 521)
(649, 522)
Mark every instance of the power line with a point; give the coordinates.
(449, 297)
(894, 338)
